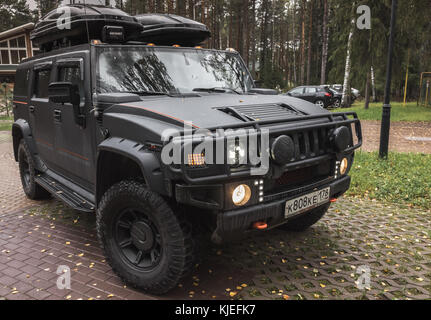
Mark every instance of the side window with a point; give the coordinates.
(41, 82)
(21, 82)
(310, 90)
(69, 74)
(297, 91)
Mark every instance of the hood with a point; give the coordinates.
(214, 109)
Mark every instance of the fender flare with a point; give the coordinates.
(147, 161)
(21, 129)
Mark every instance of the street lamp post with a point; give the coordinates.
(386, 114)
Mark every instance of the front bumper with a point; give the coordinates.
(232, 223)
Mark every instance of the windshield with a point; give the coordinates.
(170, 71)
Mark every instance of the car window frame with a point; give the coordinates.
(47, 65)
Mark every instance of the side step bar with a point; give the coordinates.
(65, 194)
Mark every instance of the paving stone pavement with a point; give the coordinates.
(392, 242)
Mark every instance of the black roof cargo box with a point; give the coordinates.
(84, 18)
(170, 29)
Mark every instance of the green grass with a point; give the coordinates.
(6, 123)
(410, 112)
(5, 126)
(405, 178)
(6, 118)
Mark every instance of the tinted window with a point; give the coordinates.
(21, 82)
(41, 83)
(69, 74)
(310, 90)
(297, 91)
(168, 70)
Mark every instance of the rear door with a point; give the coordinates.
(310, 94)
(40, 112)
(297, 92)
(74, 143)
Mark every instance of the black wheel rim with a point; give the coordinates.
(138, 239)
(25, 171)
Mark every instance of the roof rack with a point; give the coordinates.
(86, 22)
(170, 29)
(110, 25)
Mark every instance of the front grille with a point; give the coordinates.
(300, 177)
(309, 144)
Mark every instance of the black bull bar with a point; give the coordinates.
(287, 125)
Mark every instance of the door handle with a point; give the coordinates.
(31, 109)
(57, 115)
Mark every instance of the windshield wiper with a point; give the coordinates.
(217, 89)
(148, 93)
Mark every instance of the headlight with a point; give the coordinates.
(241, 195)
(236, 153)
(344, 165)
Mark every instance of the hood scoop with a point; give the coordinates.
(262, 112)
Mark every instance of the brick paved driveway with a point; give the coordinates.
(322, 263)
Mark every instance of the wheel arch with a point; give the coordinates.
(21, 130)
(120, 159)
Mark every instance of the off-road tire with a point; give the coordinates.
(28, 173)
(306, 220)
(176, 257)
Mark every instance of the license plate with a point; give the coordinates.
(304, 203)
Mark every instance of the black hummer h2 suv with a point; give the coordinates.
(90, 129)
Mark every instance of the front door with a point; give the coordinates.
(74, 143)
(41, 113)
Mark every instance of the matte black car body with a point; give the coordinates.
(318, 95)
(127, 128)
(81, 151)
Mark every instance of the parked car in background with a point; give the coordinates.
(338, 87)
(319, 95)
(336, 98)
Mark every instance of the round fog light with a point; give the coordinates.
(343, 166)
(241, 195)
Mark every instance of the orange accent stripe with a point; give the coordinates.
(44, 142)
(20, 102)
(64, 150)
(73, 154)
(160, 113)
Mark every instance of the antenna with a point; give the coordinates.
(86, 23)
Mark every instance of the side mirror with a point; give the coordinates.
(66, 92)
(289, 94)
(63, 92)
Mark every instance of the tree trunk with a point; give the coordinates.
(373, 85)
(302, 74)
(295, 76)
(253, 40)
(346, 84)
(310, 34)
(325, 35)
(367, 91)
